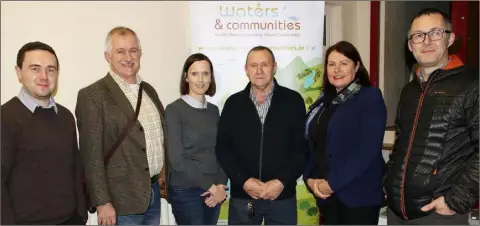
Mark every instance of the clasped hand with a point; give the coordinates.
(257, 189)
(320, 188)
(217, 193)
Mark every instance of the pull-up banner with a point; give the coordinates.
(226, 30)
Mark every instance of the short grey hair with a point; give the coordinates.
(122, 31)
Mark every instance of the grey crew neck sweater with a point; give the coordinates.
(191, 145)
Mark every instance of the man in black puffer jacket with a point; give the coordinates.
(433, 169)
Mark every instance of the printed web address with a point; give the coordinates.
(273, 48)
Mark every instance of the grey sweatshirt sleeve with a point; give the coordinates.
(176, 149)
(221, 176)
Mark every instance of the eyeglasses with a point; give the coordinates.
(434, 35)
(250, 210)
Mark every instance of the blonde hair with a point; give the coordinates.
(122, 31)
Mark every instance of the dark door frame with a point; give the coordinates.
(374, 41)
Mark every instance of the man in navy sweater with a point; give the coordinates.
(261, 147)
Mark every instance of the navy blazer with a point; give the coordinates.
(354, 149)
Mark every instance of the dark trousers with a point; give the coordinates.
(75, 220)
(334, 212)
(189, 208)
(432, 219)
(276, 212)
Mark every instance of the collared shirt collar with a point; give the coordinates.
(268, 97)
(123, 84)
(194, 102)
(420, 74)
(30, 102)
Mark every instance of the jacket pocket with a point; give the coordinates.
(179, 189)
(432, 182)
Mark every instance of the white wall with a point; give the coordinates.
(350, 21)
(77, 30)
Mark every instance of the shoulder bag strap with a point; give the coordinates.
(126, 129)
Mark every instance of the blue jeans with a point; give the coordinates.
(150, 217)
(189, 208)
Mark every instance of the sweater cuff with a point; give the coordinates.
(205, 185)
(222, 180)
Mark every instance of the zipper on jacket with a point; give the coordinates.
(410, 143)
(261, 157)
(261, 143)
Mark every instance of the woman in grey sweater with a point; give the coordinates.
(197, 182)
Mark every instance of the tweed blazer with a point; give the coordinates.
(102, 112)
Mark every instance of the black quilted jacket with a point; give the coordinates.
(436, 145)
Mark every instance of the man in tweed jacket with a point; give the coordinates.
(127, 189)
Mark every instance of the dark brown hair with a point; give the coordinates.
(428, 12)
(31, 46)
(347, 49)
(184, 86)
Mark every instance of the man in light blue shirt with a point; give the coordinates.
(41, 167)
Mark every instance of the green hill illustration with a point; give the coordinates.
(306, 78)
(314, 61)
(286, 75)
